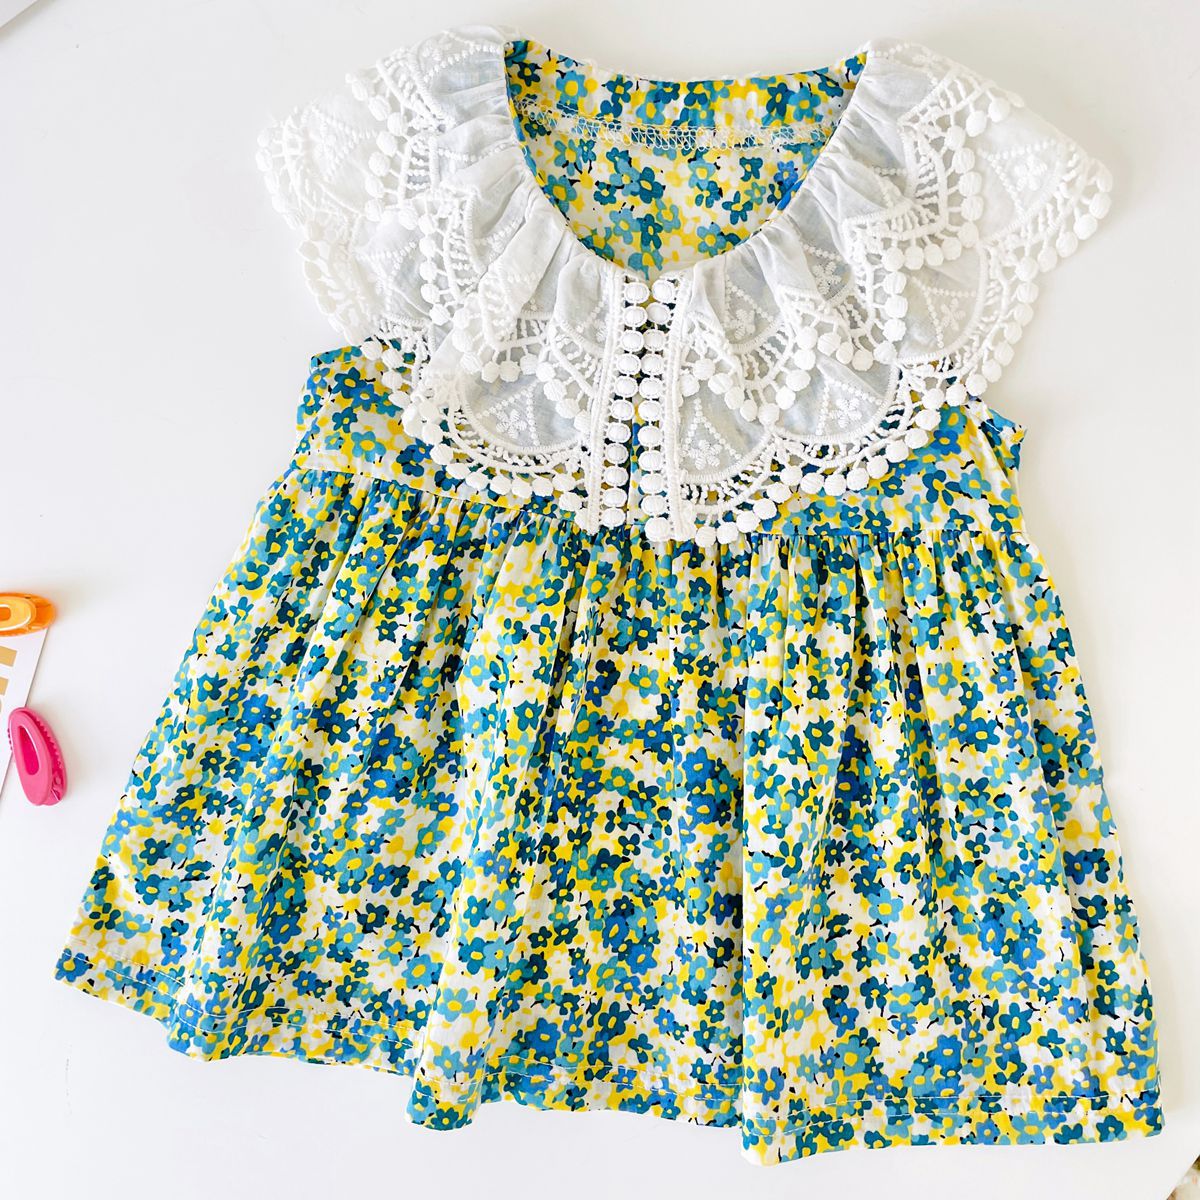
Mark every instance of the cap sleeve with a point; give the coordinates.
(332, 167)
(1001, 196)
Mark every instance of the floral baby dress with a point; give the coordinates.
(640, 690)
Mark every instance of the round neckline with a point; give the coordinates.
(782, 215)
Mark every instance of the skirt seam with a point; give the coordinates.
(953, 525)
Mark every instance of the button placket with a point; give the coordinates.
(634, 481)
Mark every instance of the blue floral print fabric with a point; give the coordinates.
(803, 833)
(655, 173)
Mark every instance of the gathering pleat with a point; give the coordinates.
(804, 596)
(288, 829)
(515, 659)
(1111, 1002)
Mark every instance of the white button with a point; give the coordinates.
(625, 385)
(658, 529)
(636, 292)
(653, 364)
(651, 387)
(664, 290)
(660, 314)
(613, 518)
(631, 340)
(622, 410)
(617, 476)
(630, 363)
(616, 432)
(612, 498)
(655, 339)
(634, 315)
(649, 410)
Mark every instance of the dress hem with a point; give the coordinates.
(868, 1122)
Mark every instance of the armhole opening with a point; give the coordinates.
(1006, 437)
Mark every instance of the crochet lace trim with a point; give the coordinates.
(808, 358)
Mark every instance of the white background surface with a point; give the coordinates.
(155, 337)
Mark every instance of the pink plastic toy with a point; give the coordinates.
(39, 760)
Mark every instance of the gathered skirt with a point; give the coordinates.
(805, 834)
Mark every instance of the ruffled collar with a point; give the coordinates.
(807, 358)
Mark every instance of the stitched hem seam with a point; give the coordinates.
(704, 1111)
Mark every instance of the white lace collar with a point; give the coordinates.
(808, 357)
